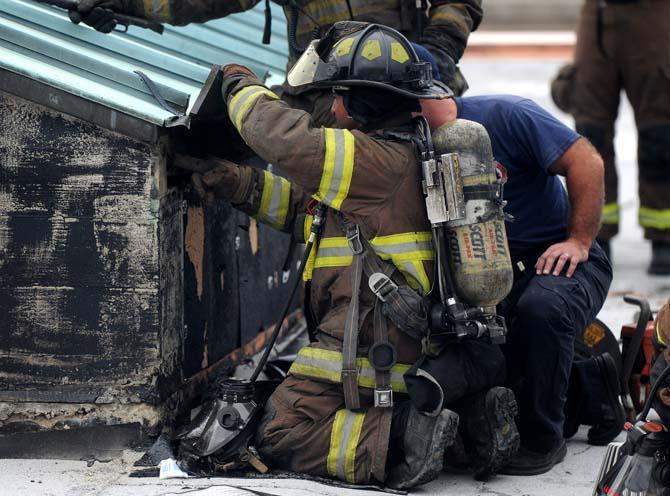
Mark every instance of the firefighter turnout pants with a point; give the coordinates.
(306, 428)
(626, 45)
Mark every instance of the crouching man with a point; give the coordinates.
(342, 411)
(561, 276)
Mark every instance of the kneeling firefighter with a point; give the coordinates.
(410, 261)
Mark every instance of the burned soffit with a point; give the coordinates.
(39, 42)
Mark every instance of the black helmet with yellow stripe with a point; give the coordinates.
(361, 54)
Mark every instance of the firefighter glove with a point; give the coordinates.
(237, 69)
(226, 181)
(232, 73)
(99, 14)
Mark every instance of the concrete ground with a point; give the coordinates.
(575, 476)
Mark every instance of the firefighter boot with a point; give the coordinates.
(660, 258)
(489, 431)
(424, 441)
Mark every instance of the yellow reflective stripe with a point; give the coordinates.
(407, 251)
(610, 213)
(316, 372)
(321, 354)
(274, 200)
(659, 336)
(335, 441)
(352, 444)
(409, 237)
(242, 101)
(327, 365)
(344, 438)
(416, 276)
(338, 167)
(322, 262)
(157, 9)
(654, 218)
(309, 266)
(366, 375)
(333, 252)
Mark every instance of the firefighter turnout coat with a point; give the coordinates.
(447, 23)
(376, 183)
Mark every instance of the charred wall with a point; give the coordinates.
(80, 318)
(232, 278)
(116, 285)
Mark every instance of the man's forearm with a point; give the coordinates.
(585, 207)
(584, 179)
(181, 12)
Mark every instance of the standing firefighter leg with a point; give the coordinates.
(645, 72)
(595, 99)
(654, 215)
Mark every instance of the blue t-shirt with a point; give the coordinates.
(526, 140)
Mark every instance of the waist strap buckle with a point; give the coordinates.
(383, 397)
(381, 285)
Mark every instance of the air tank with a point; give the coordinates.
(477, 242)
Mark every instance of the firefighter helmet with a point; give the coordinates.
(362, 54)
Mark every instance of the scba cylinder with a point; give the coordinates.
(477, 243)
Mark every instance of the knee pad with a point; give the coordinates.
(600, 137)
(654, 153)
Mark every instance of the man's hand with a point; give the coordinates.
(555, 258)
(98, 13)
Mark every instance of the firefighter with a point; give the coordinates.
(625, 45)
(443, 28)
(342, 411)
(561, 276)
(661, 340)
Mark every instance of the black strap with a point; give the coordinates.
(351, 12)
(267, 28)
(350, 342)
(482, 192)
(382, 375)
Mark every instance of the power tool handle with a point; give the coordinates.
(636, 341)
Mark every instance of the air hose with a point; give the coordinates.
(319, 217)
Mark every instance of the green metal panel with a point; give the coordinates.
(40, 42)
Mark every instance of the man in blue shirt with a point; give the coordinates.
(561, 275)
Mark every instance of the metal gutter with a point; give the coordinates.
(39, 42)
